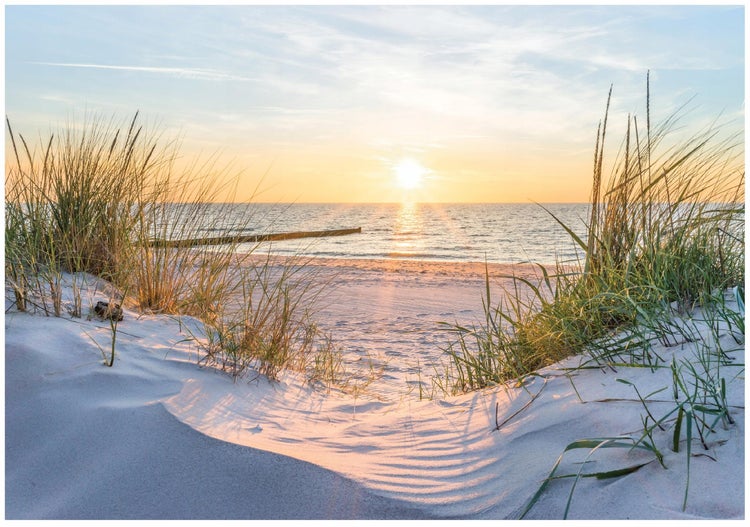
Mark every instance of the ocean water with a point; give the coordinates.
(497, 233)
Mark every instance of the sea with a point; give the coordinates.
(493, 233)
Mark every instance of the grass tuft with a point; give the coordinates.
(665, 234)
(97, 199)
(664, 245)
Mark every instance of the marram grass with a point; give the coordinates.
(665, 234)
(665, 241)
(92, 199)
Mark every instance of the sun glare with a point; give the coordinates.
(409, 174)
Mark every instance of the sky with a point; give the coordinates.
(490, 103)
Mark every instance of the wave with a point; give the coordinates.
(416, 255)
(498, 233)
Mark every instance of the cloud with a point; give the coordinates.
(191, 73)
(414, 75)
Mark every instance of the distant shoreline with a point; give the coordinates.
(442, 270)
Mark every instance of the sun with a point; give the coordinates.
(409, 174)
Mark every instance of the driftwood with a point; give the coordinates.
(220, 240)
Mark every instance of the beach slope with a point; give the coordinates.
(158, 437)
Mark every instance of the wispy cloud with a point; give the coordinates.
(191, 73)
(511, 80)
(437, 70)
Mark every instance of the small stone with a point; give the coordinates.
(107, 312)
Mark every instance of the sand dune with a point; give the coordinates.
(158, 437)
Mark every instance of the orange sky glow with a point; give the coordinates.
(329, 104)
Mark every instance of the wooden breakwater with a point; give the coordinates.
(256, 238)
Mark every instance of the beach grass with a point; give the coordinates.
(268, 326)
(109, 201)
(664, 248)
(665, 234)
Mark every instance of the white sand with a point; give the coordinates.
(158, 437)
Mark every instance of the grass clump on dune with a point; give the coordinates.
(662, 269)
(100, 200)
(665, 234)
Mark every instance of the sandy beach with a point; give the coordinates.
(287, 262)
(159, 437)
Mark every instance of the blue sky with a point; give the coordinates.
(497, 103)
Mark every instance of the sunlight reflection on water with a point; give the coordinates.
(503, 233)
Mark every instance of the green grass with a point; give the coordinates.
(664, 235)
(95, 199)
(267, 325)
(664, 243)
(688, 415)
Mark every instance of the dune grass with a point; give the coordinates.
(664, 249)
(96, 199)
(666, 234)
(690, 415)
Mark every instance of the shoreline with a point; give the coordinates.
(390, 266)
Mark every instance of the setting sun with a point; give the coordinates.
(409, 174)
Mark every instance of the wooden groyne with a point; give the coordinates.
(257, 238)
